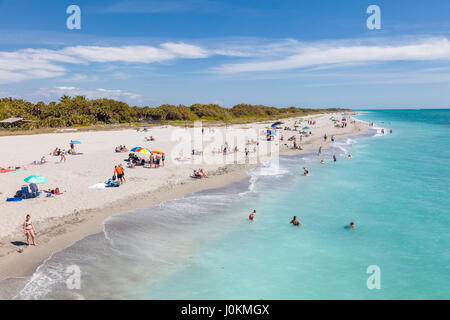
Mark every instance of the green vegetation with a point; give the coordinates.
(79, 112)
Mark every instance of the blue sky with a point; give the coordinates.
(280, 53)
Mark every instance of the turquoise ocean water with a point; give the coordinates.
(395, 188)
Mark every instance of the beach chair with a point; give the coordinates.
(25, 193)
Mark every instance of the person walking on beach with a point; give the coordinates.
(63, 156)
(295, 221)
(119, 171)
(123, 173)
(325, 137)
(320, 151)
(252, 215)
(28, 229)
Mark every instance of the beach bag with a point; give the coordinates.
(114, 177)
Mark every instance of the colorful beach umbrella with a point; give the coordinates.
(37, 179)
(135, 149)
(143, 151)
(157, 151)
(272, 132)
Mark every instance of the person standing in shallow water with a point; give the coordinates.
(252, 215)
(334, 158)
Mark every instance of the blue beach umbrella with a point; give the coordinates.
(135, 149)
(75, 142)
(272, 132)
(35, 178)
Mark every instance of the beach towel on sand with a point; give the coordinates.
(14, 199)
(98, 186)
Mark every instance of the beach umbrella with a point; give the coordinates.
(157, 151)
(37, 179)
(143, 151)
(135, 149)
(276, 123)
(272, 132)
(269, 127)
(75, 142)
(305, 127)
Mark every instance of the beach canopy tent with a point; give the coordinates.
(13, 122)
(35, 178)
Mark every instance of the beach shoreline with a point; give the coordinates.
(54, 235)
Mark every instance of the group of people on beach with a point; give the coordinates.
(121, 148)
(119, 174)
(200, 173)
(59, 153)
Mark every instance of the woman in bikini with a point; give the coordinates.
(29, 230)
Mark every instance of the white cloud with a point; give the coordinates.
(88, 93)
(45, 63)
(136, 54)
(306, 56)
(247, 56)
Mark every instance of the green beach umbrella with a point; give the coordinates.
(36, 179)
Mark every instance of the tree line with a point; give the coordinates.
(79, 111)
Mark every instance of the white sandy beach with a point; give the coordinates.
(62, 220)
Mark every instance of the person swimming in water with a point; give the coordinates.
(349, 156)
(252, 215)
(295, 221)
(334, 158)
(305, 171)
(322, 162)
(352, 225)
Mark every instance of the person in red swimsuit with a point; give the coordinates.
(252, 215)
